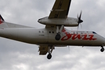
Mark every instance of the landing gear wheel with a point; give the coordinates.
(58, 36)
(102, 49)
(49, 56)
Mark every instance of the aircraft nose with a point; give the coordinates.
(39, 20)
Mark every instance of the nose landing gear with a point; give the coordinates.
(102, 49)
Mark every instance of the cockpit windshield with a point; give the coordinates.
(94, 32)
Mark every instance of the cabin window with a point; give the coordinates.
(41, 31)
(49, 31)
(53, 32)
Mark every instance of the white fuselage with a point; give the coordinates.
(47, 36)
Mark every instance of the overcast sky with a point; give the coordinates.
(21, 56)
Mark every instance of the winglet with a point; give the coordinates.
(1, 19)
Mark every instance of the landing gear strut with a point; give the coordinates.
(50, 49)
(59, 30)
(102, 49)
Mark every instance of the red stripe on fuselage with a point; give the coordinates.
(77, 36)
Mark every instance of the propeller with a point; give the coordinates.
(79, 18)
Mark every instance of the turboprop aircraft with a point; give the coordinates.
(54, 34)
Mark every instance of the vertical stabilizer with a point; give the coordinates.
(2, 23)
(1, 19)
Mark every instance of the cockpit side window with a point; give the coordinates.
(94, 32)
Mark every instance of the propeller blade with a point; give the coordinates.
(79, 18)
(80, 15)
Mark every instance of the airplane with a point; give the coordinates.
(54, 34)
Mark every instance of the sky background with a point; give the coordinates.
(15, 55)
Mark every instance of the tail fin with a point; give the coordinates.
(2, 23)
(1, 19)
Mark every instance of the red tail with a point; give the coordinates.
(1, 21)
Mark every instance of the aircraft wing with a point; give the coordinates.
(60, 9)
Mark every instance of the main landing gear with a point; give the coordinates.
(59, 30)
(50, 49)
(49, 56)
(58, 36)
(102, 49)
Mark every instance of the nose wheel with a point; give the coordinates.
(50, 49)
(102, 49)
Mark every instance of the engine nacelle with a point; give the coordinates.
(66, 22)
